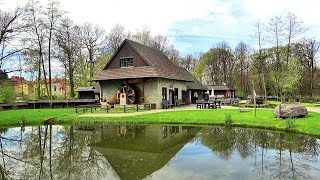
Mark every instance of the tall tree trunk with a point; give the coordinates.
(38, 81)
(65, 82)
(49, 63)
(44, 76)
(312, 79)
(264, 86)
(71, 83)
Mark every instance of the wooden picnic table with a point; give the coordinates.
(209, 104)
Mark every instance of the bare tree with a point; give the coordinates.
(53, 14)
(242, 55)
(69, 47)
(34, 19)
(226, 60)
(189, 61)
(160, 43)
(307, 51)
(276, 33)
(294, 27)
(10, 28)
(143, 36)
(173, 54)
(261, 65)
(116, 36)
(93, 38)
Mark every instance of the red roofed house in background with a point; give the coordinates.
(21, 86)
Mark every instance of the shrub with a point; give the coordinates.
(228, 119)
(290, 123)
(266, 105)
(6, 92)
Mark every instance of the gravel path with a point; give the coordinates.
(184, 108)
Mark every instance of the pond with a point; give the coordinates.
(130, 151)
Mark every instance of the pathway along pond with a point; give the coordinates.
(155, 152)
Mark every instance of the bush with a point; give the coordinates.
(309, 100)
(266, 105)
(6, 92)
(228, 119)
(290, 123)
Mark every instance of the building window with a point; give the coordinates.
(54, 88)
(164, 93)
(126, 62)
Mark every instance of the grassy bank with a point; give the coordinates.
(31, 116)
(264, 119)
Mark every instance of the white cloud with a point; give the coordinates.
(232, 20)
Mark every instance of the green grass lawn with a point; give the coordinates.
(305, 104)
(31, 116)
(264, 119)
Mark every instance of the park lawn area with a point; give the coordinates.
(31, 116)
(264, 118)
(305, 104)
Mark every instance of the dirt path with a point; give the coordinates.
(184, 108)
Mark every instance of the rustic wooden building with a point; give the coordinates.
(139, 74)
(88, 92)
(223, 91)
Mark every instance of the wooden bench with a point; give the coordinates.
(317, 104)
(179, 102)
(166, 104)
(149, 106)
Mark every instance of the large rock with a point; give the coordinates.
(290, 111)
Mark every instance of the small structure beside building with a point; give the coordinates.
(88, 92)
(221, 91)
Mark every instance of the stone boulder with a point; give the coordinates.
(290, 111)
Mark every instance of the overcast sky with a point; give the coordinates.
(191, 25)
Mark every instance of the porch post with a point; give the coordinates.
(143, 82)
(127, 89)
(190, 96)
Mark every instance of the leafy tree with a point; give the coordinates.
(6, 91)
(102, 61)
(292, 75)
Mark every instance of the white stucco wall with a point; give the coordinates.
(152, 89)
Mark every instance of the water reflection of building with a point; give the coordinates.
(135, 152)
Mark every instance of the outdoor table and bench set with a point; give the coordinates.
(203, 104)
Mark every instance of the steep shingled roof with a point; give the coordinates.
(160, 66)
(95, 89)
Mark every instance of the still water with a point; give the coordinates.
(129, 151)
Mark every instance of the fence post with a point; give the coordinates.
(124, 108)
(137, 107)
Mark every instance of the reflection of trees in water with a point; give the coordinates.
(275, 154)
(220, 140)
(50, 153)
